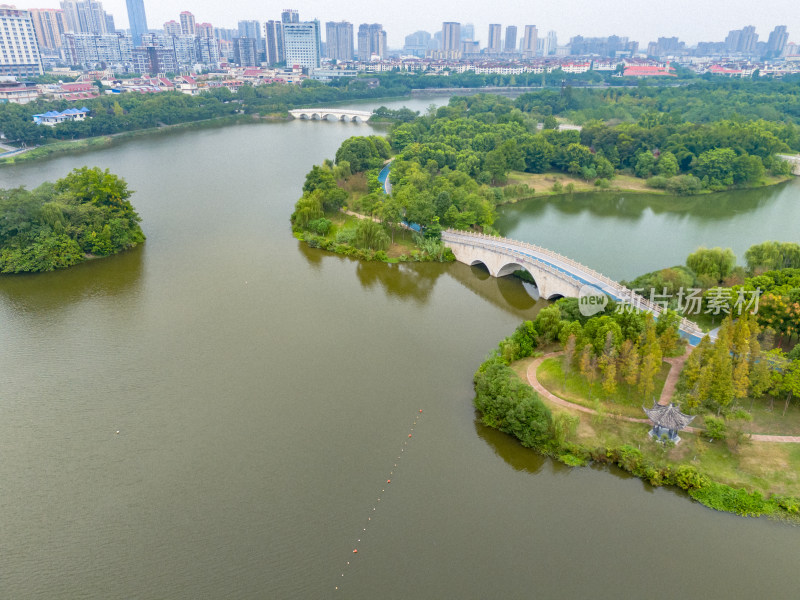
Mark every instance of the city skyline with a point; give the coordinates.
(686, 19)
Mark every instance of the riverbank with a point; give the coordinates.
(546, 185)
(105, 141)
(757, 479)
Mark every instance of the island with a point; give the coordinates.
(82, 216)
(617, 387)
(452, 167)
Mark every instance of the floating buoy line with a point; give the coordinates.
(383, 490)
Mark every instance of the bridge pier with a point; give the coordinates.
(549, 282)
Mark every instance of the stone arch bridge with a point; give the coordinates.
(555, 275)
(338, 114)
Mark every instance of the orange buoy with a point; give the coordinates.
(388, 481)
(355, 551)
(420, 410)
(409, 435)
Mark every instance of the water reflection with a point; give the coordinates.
(313, 256)
(37, 293)
(631, 207)
(407, 281)
(507, 293)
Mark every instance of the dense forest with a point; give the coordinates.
(711, 286)
(451, 165)
(698, 101)
(57, 225)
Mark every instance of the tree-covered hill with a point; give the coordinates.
(57, 225)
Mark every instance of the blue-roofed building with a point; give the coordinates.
(52, 118)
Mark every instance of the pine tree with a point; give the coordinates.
(722, 390)
(568, 359)
(587, 365)
(629, 362)
(608, 365)
(650, 359)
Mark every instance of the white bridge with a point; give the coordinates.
(337, 114)
(555, 275)
(793, 160)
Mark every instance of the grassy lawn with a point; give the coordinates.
(543, 182)
(626, 401)
(767, 467)
(768, 418)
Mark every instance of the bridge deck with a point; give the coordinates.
(569, 268)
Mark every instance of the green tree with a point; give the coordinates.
(716, 263)
(371, 235)
(668, 165)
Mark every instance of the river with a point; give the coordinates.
(217, 413)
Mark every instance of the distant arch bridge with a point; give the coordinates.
(555, 275)
(338, 114)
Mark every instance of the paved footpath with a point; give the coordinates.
(676, 363)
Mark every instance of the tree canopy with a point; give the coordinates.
(59, 224)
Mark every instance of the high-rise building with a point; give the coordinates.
(777, 41)
(529, 40)
(110, 27)
(748, 40)
(249, 29)
(301, 44)
(495, 32)
(92, 50)
(371, 41)
(273, 36)
(245, 52)
(207, 50)
(48, 23)
(204, 30)
(289, 15)
(732, 41)
(137, 20)
(339, 40)
(187, 23)
(84, 16)
(154, 60)
(221, 33)
(468, 32)
(417, 44)
(549, 43)
(511, 39)
(20, 56)
(451, 39)
(172, 28)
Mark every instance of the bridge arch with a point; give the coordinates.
(556, 276)
(510, 268)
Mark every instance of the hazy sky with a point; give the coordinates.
(642, 20)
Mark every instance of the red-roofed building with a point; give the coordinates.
(718, 70)
(648, 71)
(186, 85)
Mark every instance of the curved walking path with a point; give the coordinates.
(533, 380)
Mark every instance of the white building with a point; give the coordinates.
(302, 44)
(19, 50)
(89, 50)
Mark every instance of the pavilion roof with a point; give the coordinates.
(668, 416)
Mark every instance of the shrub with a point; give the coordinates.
(658, 182)
(319, 226)
(345, 236)
(684, 185)
(715, 428)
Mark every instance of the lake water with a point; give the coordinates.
(264, 392)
